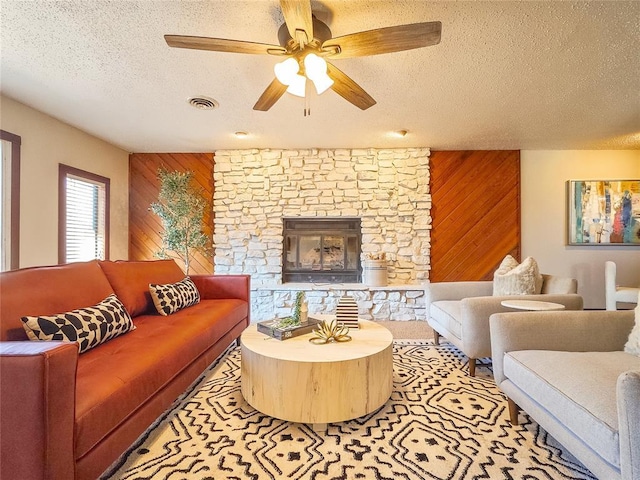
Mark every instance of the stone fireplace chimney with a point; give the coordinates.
(387, 189)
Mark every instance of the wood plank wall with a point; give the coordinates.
(144, 226)
(475, 213)
(475, 198)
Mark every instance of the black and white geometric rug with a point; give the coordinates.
(438, 424)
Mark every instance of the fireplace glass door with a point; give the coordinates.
(321, 250)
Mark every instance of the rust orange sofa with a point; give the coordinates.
(65, 415)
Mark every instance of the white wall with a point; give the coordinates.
(46, 142)
(544, 215)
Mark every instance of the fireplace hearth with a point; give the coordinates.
(321, 250)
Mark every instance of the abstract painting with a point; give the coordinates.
(604, 212)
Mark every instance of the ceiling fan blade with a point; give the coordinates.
(270, 96)
(222, 45)
(385, 40)
(297, 16)
(348, 89)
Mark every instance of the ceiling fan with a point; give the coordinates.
(303, 34)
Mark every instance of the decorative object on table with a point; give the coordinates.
(180, 207)
(282, 330)
(347, 312)
(330, 332)
(375, 270)
(298, 323)
(604, 212)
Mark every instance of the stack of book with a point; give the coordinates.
(347, 312)
(273, 328)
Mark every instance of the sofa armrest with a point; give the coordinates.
(628, 393)
(213, 287)
(37, 409)
(456, 291)
(571, 331)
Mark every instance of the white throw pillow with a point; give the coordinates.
(633, 344)
(512, 278)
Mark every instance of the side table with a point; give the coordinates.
(533, 305)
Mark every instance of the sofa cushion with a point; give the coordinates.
(633, 344)
(47, 291)
(89, 326)
(172, 297)
(114, 380)
(512, 278)
(447, 313)
(578, 389)
(130, 281)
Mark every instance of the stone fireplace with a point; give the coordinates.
(256, 191)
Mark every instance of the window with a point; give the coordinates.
(83, 216)
(10, 201)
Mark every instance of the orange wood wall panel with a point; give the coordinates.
(145, 227)
(475, 213)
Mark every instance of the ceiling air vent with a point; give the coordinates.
(203, 103)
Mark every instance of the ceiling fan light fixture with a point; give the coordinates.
(286, 71)
(297, 86)
(322, 84)
(301, 34)
(315, 68)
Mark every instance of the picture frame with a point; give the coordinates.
(603, 212)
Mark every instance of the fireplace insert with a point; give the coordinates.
(321, 250)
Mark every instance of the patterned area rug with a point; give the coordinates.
(438, 424)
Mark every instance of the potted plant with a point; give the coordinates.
(180, 207)
(300, 313)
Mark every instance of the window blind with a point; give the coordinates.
(85, 220)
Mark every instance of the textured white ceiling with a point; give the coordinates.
(506, 75)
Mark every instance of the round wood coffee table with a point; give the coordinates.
(298, 381)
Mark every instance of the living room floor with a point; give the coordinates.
(408, 330)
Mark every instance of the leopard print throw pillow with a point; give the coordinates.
(88, 326)
(169, 298)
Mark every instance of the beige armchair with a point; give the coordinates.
(569, 372)
(460, 311)
(614, 293)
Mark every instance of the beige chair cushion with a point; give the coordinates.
(578, 389)
(447, 313)
(512, 278)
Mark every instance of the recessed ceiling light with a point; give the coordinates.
(241, 134)
(203, 103)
